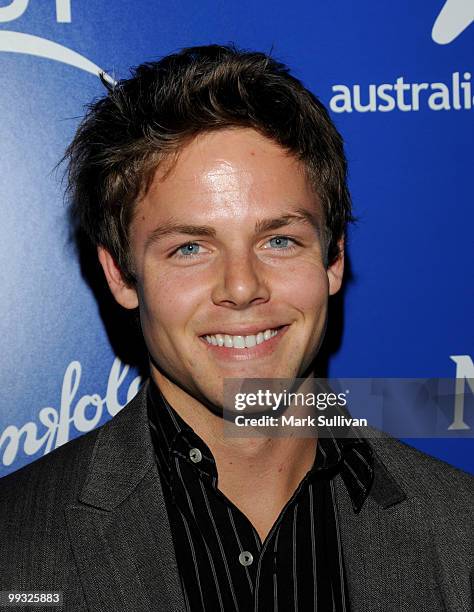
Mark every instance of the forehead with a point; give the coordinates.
(228, 174)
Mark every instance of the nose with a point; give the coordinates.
(239, 282)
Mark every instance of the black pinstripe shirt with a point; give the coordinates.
(223, 564)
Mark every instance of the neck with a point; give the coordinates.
(258, 474)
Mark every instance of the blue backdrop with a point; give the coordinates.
(398, 80)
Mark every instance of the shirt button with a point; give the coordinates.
(246, 558)
(195, 455)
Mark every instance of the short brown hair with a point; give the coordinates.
(164, 104)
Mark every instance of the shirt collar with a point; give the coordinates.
(173, 437)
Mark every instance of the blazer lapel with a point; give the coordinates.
(387, 547)
(119, 530)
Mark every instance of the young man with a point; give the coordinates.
(213, 185)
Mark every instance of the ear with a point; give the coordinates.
(125, 295)
(336, 270)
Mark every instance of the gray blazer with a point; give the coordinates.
(89, 519)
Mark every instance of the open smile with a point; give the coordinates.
(240, 347)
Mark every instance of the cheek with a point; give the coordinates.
(168, 301)
(306, 288)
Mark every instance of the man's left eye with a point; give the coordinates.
(281, 242)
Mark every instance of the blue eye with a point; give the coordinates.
(188, 250)
(281, 242)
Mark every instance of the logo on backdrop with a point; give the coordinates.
(19, 42)
(454, 18)
(81, 412)
(454, 92)
(464, 378)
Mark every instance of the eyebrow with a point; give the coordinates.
(171, 228)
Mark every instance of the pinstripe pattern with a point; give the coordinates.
(299, 562)
(313, 545)
(295, 573)
(339, 552)
(210, 557)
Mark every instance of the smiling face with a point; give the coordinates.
(227, 246)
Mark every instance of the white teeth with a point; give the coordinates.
(241, 342)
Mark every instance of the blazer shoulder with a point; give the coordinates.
(63, 469)
(424, 476)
